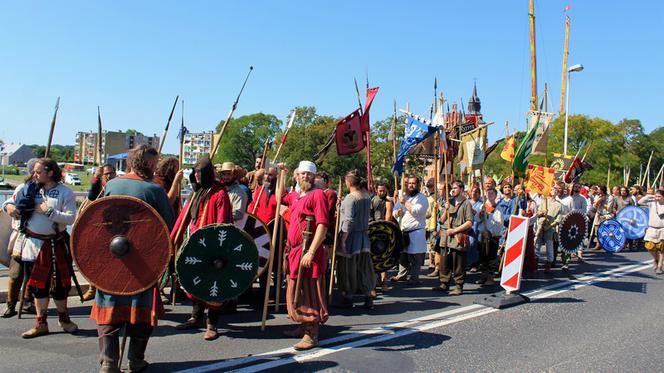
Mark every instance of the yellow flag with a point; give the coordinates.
(509, 149)
(539, 179)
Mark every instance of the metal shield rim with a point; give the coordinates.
(161, 220)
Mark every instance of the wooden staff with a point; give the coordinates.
(659, 176)
(336, 240)
(306, 236)
(185, 220)
(168, 123)
(283, 138)
(647, 169)
(183, 131)
(274, 160)
(276, 243)
(100, 151)
(394, 144)
(280, 261)
(47, 152)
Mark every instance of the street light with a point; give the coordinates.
(572, 69)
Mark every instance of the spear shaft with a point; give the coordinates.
(168, 123)
(47, 152)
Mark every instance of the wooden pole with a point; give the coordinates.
(184, 223)
(273, 248)
(283, 138)
(647, 169)
(564, 80)
(100, 158)
(533, 60)
(47, 152)
(394, 145)
(336, 242)
(168, 124)
(658, 177)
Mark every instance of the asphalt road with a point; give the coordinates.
(604, 315)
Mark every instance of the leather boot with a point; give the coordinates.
(90, 294)
(458, 290)
(65, 323)
(40, 328)
(136, 354)
(109, 345)
(195, 321)
(295, 333)
(13, 288)
(310, 338)
(211, 333)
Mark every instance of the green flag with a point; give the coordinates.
(523, 152)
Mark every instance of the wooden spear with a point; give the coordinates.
(185, 221)
(168, 123)
(47, 152)
(276, 245)
(336, 241)
(647, 169)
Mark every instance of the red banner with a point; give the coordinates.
(371, 93)
(349, 135)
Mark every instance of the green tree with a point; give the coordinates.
(245, 138)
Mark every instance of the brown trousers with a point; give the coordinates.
(452, 265)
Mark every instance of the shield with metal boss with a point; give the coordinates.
(611, 236)
(572, 231)
(386, 244)
(634, 221)
(121, 245)
(217, 262)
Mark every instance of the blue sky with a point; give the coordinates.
(133, 57)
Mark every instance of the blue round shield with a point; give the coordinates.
(634, 221)
(611, 236)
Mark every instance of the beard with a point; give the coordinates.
(413, 192)
(306, 186)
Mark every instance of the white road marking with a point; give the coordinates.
(288, 355)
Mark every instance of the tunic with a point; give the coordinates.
(355, 210)
(413, 222)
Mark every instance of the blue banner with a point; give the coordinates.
(417, 130)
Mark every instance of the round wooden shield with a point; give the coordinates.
(572, 231)
(634, 221)
(121, 245)
(611, 236)
(217, 262)
(386, 244)
(262, 236)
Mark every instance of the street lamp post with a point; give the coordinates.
(575, 68)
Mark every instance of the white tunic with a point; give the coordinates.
(63, 202)
(414, 221)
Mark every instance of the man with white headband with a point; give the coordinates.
(309, 213)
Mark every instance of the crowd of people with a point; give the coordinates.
(456, 229)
